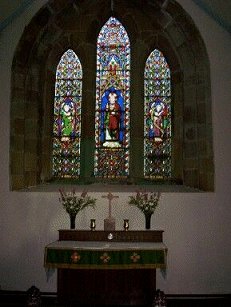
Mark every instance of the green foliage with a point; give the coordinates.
(145, 202)
(73, 203)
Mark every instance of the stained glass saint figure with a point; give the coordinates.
(157, 121)
(112, 117)
(67, 117)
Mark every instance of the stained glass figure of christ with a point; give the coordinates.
(111, 158)
(157, 117)
(67, 113)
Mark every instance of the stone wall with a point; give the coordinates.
(60, 25)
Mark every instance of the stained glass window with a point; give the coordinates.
(67, 117)
(157, 117)
(111, 158)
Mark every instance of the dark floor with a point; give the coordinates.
(20, 300)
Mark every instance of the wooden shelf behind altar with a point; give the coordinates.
(118, 235)
(107, 268)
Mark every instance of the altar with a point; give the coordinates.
(106, 268)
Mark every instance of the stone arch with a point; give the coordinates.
(57, 27)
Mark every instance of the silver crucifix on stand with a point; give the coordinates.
(109, 222)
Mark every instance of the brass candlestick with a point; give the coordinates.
(126, 224)
(92, 224)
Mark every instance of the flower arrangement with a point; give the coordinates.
(145, 202)
(73, 203)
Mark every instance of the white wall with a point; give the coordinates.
(197, 225)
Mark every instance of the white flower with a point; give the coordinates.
(73, 203)
(146, 202)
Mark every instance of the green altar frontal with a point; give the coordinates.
(105, 255)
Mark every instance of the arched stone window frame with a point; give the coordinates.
(53, 30)
(67, 117)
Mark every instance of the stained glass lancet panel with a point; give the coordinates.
(112, 117)
(67, 117)
(157, 117)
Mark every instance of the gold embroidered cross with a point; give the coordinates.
(105, 258)
(75, 257)
(135, 257)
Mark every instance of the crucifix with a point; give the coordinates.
(109, 222)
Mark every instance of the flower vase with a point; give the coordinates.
(72, 220)
(148, 217)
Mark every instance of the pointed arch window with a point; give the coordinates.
(157, 117)
(67, 117)
(149, 158)
(111, 159)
